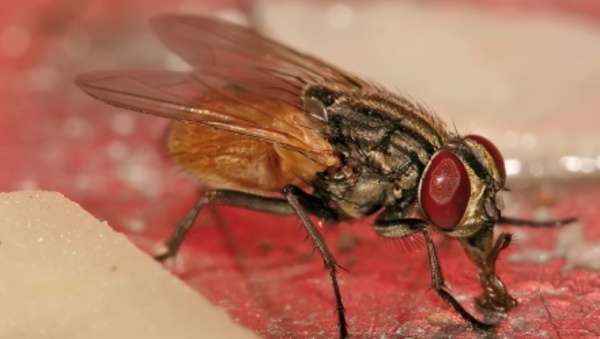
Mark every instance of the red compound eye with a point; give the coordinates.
(493, 151)
(445, 190)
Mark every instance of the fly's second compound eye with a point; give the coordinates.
(445, 190)
(494, 152)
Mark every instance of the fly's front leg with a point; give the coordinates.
(535, 223)
(479, 248)
(386, 226)
(295, 196)
(495, 296)
(484, 253)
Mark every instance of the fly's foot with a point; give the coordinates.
(169, 251)
(163, 256)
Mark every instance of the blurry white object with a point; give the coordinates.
(67, 275)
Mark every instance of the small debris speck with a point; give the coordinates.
(347, 242)
(519, 324)
(440, 319)
(265, 247)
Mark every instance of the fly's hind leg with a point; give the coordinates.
(245, 200)
(226, 197)
(296, 202)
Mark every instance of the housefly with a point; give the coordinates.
(275, 130)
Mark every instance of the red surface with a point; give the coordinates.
(259, 267)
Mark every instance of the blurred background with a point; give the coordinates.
(525, 73)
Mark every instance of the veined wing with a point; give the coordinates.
(245, 102)
(205, 42)
(242, 83)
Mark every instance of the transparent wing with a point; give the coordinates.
(245, 102)
(241, 83)
(204, 41)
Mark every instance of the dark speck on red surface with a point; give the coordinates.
(257, 266)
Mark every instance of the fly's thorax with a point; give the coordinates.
(355, 190)
(383, 148)
(370, 117)
(375, 130)
(459, 192)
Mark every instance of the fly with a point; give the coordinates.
(264, 125)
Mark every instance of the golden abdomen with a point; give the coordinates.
(222, 159)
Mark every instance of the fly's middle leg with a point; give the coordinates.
(294, 196)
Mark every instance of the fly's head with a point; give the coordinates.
(460, 189)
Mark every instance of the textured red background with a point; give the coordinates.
(257, 266)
